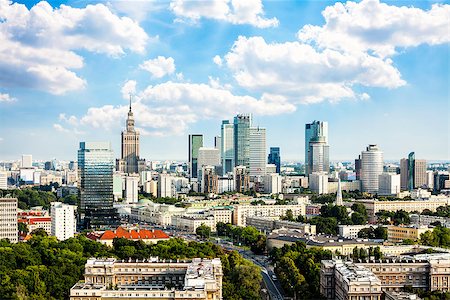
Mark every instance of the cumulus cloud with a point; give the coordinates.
(170, 107)
(6, 98)
(379, 27)
(217, 60)
(37, 45)
(235, 11)
(159, 67)
(129, 88)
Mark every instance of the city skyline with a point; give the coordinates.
(384, 89)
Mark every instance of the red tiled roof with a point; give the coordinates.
(140, 234)
(32, 221)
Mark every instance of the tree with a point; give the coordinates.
(22, 227)
(355, 254)
(381, 233)
(289, 215)
(203, 231)
(362, 253)
(325, 225)
(358, 219)
(377, 253)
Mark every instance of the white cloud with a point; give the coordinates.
(170, 107)
(6, 98)
(136, 9)
(235, 11)
(303, 74)
(1, 139)
(159, 67)
(217, 60)
(129, 88)
(60, 128)
(373, 26)
(37, 45)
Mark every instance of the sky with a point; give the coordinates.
(377, 72)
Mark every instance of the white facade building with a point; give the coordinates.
(207, 157)
(371, 168)
(351, 231)
(131, 188)
(241, 212)
(273, 183)
(227, 146)
(258, 152)
(8, 219)
(3, 180)
(165, 186)
(63, 220)
(27, 161)
(388, 184)
(318, 182)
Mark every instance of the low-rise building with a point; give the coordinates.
(147, 236)
(401, 233)
(269, 224)
(190, 223)
(198, 279)
(241, 212)
(351, 231)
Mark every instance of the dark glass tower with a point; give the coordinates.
(242, 125)
(274, 158)
(411, 163)
(195, 143)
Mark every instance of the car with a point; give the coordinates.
(274, 277)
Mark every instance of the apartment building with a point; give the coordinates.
(400, 233)
(152, 278)
(8, 219)
(241, 212)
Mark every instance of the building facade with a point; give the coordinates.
(257, 152)
(195, 142)
(227, 146)
(8, 219)
(64, 222)
(275, 158)
(371, 168)
(317, 130)
(242, 124)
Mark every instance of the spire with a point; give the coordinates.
(339, 194)
(130, 102)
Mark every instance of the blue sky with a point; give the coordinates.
(378, 72)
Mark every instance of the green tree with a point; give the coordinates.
(203, 231)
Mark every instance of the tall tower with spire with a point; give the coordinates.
(130, 162)
(339, 200)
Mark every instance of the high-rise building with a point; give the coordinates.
(274, 158)
(27, 161)
(242, 124)
(413, 172)
(314, 131)
(131, 188)
(8, 219)
(95, 167)
(388, 184)
(209, 180)
(358, 168)
(318, 155)
(371, 168)
(63, 220)
(207, 157)
(3, 180)
(257, 151)
(130, 162)
(165, 188)
(218, 144)
(241, 179)
(195, 142)
(227, 146)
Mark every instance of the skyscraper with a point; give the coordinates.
(130, 162)
(274, 158)
(413, 172)
(318, 155)
(95, 167)
(242, 125)
(195, 142)
(207, 157)
(257, 151)
(317, 130)
(371, 168)
(227, 146)
(27, 161)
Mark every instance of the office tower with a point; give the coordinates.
(413, 172)
(27, 161)
(389, 184)
(95, 167)
(3, 180)
(314, 131)
(165, 188)
(358, 168)
(371, 168)
(227, 146)
(63, 220)
(242, 125)
(8, 219)
(318, 155)
(73, 165)
(207, 157)
(318, 182)
(130, 162)
(430, 179)
(210, 180)
(48, 165)
(241, 179)
(274, 158)
(195, 142)
(339, 200)
(420, 173)
(218, 144)
(131, 188)
(257, 151)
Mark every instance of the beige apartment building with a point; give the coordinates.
(400, 233)
(198, 279)
(241, 212)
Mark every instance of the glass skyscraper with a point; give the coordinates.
(274, 158)
(316, 131)
(242, 125)
(95, 167)
(227, 146)
(195, 143)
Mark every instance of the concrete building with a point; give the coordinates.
(227, 146)
(8, 219)
(420, 173)
(371, 168)
(318, 182)
(165, 185)
(348, 186)
(131, 191)
(3, 180)
(273, 183)
(241, 179)
(196, 279)
(35, 219)
(257, 152)
(190, 223)
(388, 184)
(269, 224)
(207, 157)
(210, 180)
(27, 161)
(398, 234)
(351, 231)
(64, 223)
(241, 212)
